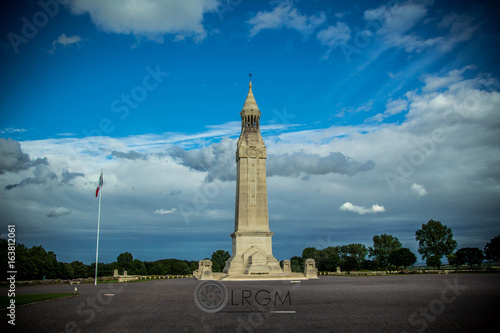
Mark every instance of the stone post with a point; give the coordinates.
(286, 266)
(206, 273)
(197, 273)
(310, 270)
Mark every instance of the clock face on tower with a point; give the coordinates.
(252, 152)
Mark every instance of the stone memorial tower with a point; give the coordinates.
(252, 243)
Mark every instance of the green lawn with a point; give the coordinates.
(26, 299)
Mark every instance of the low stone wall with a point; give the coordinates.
(352, 273)
(100, 279)
(413, 271)
(127, 278)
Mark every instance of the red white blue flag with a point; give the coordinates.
(100, 185)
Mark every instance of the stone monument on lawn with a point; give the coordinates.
(252, 251)
(252, 243)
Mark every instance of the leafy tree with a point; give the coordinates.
(27, 269)
(124, 261)
(358, 251)
(349, 264)
(402, 257)
(80, 270)
(453, 260)
(492, 249)
(4, 246)
(193, 265)
(297, 264)
(434, 261)
(470, 255)
(219, 259)
(369, 265)
(310, 253)
(156, 269)
(105, 269)
(435, 239)
(383, 245)
(70, 274)
(180, 267)
(353, 256)
(45, 262)
(138, 268)
(329, 259)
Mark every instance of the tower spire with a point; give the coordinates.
(250, 105)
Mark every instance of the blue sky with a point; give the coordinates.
(378, 116)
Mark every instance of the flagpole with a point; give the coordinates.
(98, 226)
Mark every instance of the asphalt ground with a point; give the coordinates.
(405, 303)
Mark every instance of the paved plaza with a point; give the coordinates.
(411, 303)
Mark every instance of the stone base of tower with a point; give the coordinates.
(252, 254)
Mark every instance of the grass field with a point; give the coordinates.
(26, 299)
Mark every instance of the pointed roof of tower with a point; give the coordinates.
(250, 103)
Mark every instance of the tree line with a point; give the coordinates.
(435, 242)
(36, 263)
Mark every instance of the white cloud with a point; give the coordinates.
(461, 28)
(165, 211)
(150, 19)
(392, 107)
(436, 82)
(285, 16)
(12, 130)
(13, 159)
(397, 19)
(65, 41)
(334, 35)
(349, 207)
(58, 211)
(418, 189)
(396, 24)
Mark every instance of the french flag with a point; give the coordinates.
(100, 185)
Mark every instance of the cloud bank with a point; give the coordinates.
(12, 158)
(149, 19)
(349, 207)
